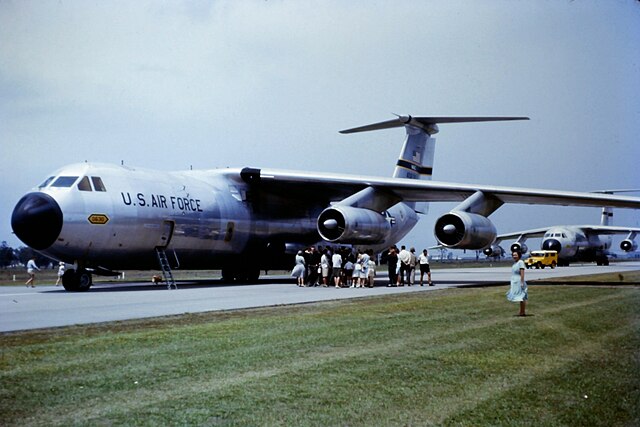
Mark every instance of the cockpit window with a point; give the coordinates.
(64, 181)
(46, 182)
(84, 184)
(97, 183)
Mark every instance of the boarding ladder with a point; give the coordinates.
(166, 268)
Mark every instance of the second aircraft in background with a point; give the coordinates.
(573, 243)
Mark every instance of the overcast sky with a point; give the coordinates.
(206, 84)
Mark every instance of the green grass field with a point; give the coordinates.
(449, 357)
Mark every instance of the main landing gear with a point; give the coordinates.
(77, 280)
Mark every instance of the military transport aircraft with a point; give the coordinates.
(574, 243)
(102, 217)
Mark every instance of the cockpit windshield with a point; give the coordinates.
(97, 183)
(46, 182)
(64, 181)
(86, 183)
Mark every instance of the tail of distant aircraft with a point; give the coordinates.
(607, 213)
(607, 216)
(417, 154)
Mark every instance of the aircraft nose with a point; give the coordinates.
(37, 220)
(551, 245)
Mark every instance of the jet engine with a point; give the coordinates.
(493, 251)
(346, 224)
(519, 247)
(464, 230)
(628, 245)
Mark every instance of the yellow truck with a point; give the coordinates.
(542, 259)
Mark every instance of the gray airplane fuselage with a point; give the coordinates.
(574, 244)
(204, 219)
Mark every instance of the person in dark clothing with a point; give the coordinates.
(392, 264)
(314, 263)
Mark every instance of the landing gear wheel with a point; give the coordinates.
(253, 275)
(77, 281)
(228, 275)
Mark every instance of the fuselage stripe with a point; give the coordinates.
(422, 170)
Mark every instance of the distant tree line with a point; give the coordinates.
(10, 256)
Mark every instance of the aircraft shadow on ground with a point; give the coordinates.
(186, 284)
(218, 283)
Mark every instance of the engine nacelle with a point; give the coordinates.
(346, 224)
(493, 251)
(628, 245)
(519, 247)
(464, 230)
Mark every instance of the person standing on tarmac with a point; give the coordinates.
(61, 269)
(31, 270)
(299, 269)
(336, 259)
(314, 263)
(411, 272)
(423, 259)
(405, 257)
(392, 264)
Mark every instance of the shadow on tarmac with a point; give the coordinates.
(219, 283)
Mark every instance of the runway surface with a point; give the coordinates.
(49, 306)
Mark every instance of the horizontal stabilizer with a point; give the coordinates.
(425, 123)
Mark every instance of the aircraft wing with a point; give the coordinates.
(335, 187)
(608, 229)
(590, 229)
(527, 234)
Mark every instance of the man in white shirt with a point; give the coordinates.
(405, 258)
(336, 260)
(423, 259)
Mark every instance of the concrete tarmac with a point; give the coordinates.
(48, 306)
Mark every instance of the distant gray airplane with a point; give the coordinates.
(103, 218)
(574, 243)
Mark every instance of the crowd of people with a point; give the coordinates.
(338, 267)
(402, 265)
(342, 267)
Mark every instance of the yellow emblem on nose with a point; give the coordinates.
(98, 219)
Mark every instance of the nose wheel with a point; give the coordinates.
(77, 281)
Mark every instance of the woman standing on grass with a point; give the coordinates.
(518, 291)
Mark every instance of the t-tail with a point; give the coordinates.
(607, 213)
(607, 216)
(417, 154)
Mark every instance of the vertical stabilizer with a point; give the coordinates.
(416, 157)
(607, 216)
(416, 160)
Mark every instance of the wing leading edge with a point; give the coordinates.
(335, 186)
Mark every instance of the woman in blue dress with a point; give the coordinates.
(299, 269)
(518, 291)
